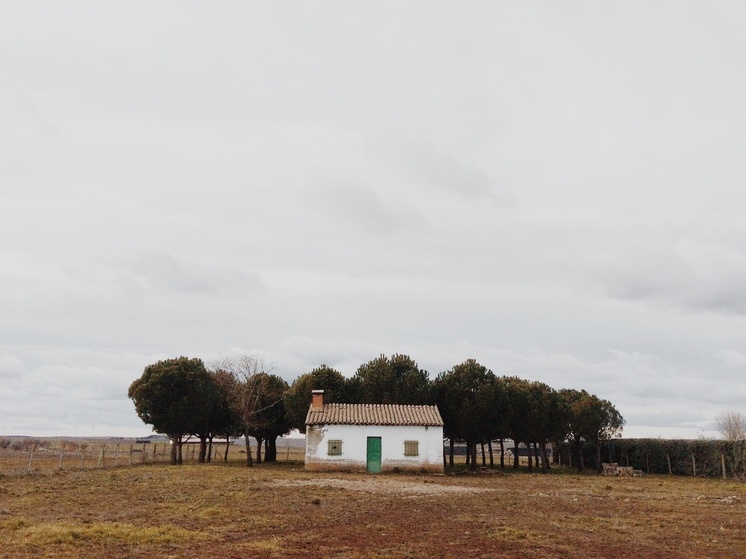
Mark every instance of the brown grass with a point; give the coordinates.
(225, 510)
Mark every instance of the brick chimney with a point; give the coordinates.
(317, 399)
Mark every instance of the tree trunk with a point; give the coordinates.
(202, 449)
(249, 461)
(502, 454)
(484, 458)
(598, 456)
(209, 448)
(174, 451)
(227, 446)
(536, 455)
(577, 446)
(180, 459)
(473, 449)
(271, 449)
(544, 459)
(450, 451)
(492, 457)
(259, 442)
(515, 455)
(468, 453)
(530, 458)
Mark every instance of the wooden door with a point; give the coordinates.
(373, 457)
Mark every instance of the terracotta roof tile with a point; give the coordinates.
(374, 414)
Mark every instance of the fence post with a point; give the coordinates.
(668, 459)
(30, 457)
(722, 463)
(144, 456)
(62, 453)
(82, 458)
(100, 457)
(116, 454)
(155, 446)
(694, 466)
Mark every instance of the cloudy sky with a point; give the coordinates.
(554, 189)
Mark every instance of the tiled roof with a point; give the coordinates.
(374, 414)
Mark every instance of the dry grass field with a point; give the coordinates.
(225, 510)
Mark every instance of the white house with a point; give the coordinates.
(373, 438)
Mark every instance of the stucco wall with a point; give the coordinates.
(354, 447)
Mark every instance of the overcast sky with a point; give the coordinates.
(555, 189)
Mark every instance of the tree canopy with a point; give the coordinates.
(331, 381)
(176, 397)
(240, 395)
(394, 380)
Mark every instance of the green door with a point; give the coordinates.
(373, 457)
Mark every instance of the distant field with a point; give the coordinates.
(229, 511)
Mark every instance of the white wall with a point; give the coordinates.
(354, 447)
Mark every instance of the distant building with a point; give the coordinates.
(373, 438)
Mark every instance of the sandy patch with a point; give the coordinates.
(382, 485)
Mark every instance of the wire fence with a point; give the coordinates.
(25, 456)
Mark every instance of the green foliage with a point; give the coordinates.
(653, 455)
(298, 398)
(395, 380)
(175, 396)
(271, 419)
(178, 397)
(466, 399)
(223, 420)
(518, 412)
(591, 420)
(548, 414)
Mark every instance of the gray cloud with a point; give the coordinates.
(693, 276)
(363, 207)
(161, 272)
(555, 193)
(436, 171)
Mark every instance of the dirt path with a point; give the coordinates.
(382, 485)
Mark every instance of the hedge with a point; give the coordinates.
(662, 456)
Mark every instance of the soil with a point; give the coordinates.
(280, 511)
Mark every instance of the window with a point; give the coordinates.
(411, 448)
(335, 448)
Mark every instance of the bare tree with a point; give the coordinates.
(732, 425)
(247, 397)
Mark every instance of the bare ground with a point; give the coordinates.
(228, 511)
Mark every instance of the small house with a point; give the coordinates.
(373, 438)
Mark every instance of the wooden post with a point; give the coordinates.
(668, 459)
(155, 445)
(722, 463)
(694, 466)
(30, 457)
(130, 455)
(62, 453)
(116, 454)
(143, 456)
(82, 458)
(100, 457)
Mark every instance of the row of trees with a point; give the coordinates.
(181, 397)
